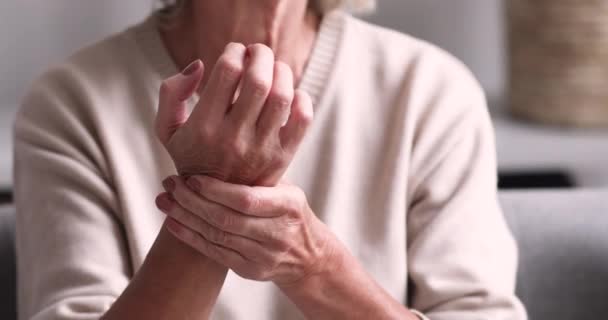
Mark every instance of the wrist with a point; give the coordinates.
(330, 263)
(342, 289)
(170, 253)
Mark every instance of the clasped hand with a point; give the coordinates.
(261, 233)
(231, 153)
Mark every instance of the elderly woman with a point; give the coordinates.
(382, 207)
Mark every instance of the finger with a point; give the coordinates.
(170, 207)
(276, 111)
(174, 92)
(220, 90)
(225, 256)
(300, 119)
(257, 82)
(250, 249)
(218, 215)
(263, 202)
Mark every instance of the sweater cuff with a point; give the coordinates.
(419, 315)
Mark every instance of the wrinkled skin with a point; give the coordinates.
(249, 140)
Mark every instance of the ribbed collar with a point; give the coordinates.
(316, 74)
(324, 54)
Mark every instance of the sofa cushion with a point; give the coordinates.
(563, 243)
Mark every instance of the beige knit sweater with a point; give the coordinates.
(399, 163)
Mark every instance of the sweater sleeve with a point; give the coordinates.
(71, 252)
(461, 256)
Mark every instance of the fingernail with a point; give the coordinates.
(163, 202)
(169, 184)
(192, 68)
(194, 184)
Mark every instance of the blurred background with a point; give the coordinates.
(541, 63)
(38, 33)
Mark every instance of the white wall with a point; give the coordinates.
(472, 30)
(37, 33)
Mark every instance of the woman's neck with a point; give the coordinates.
(204, 28)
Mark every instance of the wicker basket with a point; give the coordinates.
(559, 61)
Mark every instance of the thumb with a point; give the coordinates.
(174, 92)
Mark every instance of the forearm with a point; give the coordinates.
(175, 282)
(345, 291)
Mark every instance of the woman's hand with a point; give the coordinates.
(247, 138)
(261, 233)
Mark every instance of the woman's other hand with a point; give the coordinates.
(247, 138)
(261, 233)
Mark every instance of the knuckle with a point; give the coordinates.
(263, 159)
(261, 49)
(231, 139)
(205, 184)
(260, 85)
(283, 67)
(304, 107)
(206, 132)
(165, 88)
(235, 46)
(305, 118)
(279, 100)
(229, 68)
(299, 196)
(249, 202)
(279, 161)
(292, 208)
(237, 146)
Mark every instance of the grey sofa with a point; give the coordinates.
(563, 240)
(563, 243)
(7, 264)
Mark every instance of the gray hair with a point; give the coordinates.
(322, 6)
